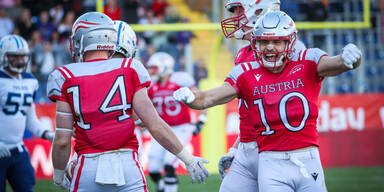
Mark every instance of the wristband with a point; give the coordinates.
(185, 156)
(58, 175)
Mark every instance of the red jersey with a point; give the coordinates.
(172, 112)
(247, 131)
(283, 107)
(100, 94)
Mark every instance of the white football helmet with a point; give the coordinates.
(17, 46)
(162, 63)
(92, 31)
(245, 13)
(126, 39)
(275, 25)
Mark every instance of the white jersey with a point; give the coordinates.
(183, 79)
(17, 110)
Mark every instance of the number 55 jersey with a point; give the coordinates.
(283, 106)
(100, 93)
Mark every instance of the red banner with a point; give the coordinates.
(351, 133)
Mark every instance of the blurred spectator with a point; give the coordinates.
(89, 5)
(159, 7)
(291, 8)
(6, 23)
(171, 16)
(45, 27)
(130, 12)
(112, 10)
(6, 3)
(199, 71)
(15, 11)
(184, 37)
(381, 9)
(148, 19)
(170, 47)
(316, 10)
(65, 27)
(57, 14)
(146, 53)
(25, 25)
(59, 50)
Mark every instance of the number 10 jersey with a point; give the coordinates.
(283, 107)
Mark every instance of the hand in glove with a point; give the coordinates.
(4, 152)
(184, 95)
(226, 161)
(351, 54)
(60, 179)
(195, 166)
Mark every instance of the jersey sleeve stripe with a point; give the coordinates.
(301, 55)
(123, 63)
(249, 65)
(244, 68)
(304, 54)
(128, 64)
(68, 71)
(64, 73)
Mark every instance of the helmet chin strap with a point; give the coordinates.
(240, 34)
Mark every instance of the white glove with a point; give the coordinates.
(4, 152)
(184, 95)
(195, 166)
(350, 55)
(226, 161)
(60, 180)
(50, 135)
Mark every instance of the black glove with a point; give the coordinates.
(199, 125)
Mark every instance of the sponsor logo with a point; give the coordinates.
(257, 76)
(314, 175)
(105, 47)
(296, 69)
(268, 33)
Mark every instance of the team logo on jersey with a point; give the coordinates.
(314, 175)
(296, 69)
(257, 76)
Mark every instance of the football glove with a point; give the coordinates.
(199, 125)
(184, 95)
(49, 135)
(195, 166)
(351, 54)
(60, 180)
(226, 161)
(4, 152)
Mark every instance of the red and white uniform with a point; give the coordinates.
(100, 93)
(283, 109)
(176, 114)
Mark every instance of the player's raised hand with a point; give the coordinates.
(4, 152)
(184, 95)
(351, 54)
(226, 161)
(195, 166)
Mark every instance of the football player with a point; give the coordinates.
(17, 91)
(176, 114)
(96, 95)
(245, 13)
(281, 91)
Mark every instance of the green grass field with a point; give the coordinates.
(362, 179)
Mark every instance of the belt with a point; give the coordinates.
(18, 149)
(294, 156)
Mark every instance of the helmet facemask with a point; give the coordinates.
(16, 62)
(273, 59)
(235, 22)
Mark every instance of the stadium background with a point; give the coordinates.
(351, 117)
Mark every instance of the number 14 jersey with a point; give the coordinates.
(283, 106)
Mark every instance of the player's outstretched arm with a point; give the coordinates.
(61, 146)
(165, 136)
(349, 59)
(36, 127)
(197, 99)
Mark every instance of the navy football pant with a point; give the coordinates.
(18, 170)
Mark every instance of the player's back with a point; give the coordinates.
(100, 94)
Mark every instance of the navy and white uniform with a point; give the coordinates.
(17, 113)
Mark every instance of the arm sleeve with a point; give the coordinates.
(54, 86)
(233, 76)
(142, 78)
(183, 79)
(33, 123)
(314, 54)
